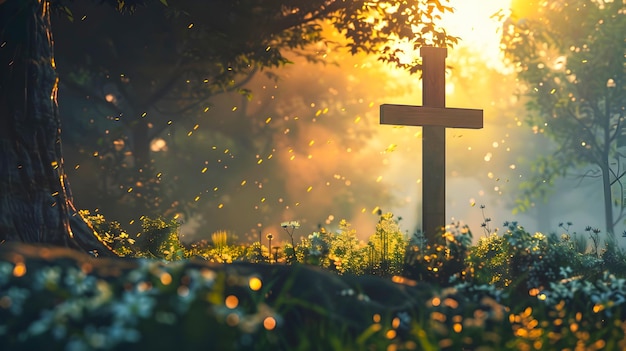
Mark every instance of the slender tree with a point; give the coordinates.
(569, 58)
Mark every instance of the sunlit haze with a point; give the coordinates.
(308, 146)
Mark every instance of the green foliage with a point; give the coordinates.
(347, 253)
(387, 247)
(111, 233)
(58, 299)
(520, 261)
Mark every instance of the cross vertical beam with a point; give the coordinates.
(434, 117)
(433, 143)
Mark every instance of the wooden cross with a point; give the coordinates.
(434, 117)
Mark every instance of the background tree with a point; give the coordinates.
(569, 58)
(36, 203)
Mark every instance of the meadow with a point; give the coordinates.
(509, 290)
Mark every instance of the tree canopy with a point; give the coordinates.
(198, 48)
(135, 94)
(569, 58)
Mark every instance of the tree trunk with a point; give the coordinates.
(608, 200)
(35, 200)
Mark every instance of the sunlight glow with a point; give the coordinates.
(474, 21)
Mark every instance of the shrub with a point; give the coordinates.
(440, 262)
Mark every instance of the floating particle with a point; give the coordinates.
(379, 179)
(204, 170)
(220, 206)
(268, 120)
(308, 190)
(255, 283)
(243, 182)
(269, 323)
(231, 301)
(190, 25)
(166, 278)
(19, 270)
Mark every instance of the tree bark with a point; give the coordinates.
(35, 200)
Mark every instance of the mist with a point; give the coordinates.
(306, 145)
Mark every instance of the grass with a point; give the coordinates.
(510, 291)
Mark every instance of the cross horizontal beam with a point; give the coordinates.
(407, 115)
